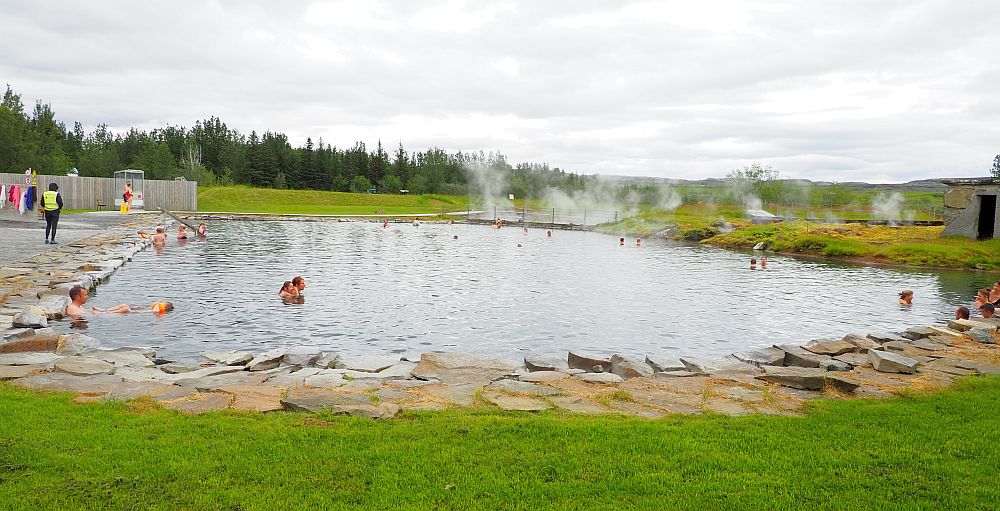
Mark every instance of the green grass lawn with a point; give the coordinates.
(935, 451)
(237, 199)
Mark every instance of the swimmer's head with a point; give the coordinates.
(455, 237)
(159, 230)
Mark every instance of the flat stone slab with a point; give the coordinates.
(863, 343)
(516, 403)
(229, 358)
(314, 400)
(63, 382)
(82, 366)
(399, 371)
(579, 405)
(675, 374)
(294, 379)
(75, 344)
(524, 388)
(588, 362)
(599, 378)
(28, 358)
(302, 356)
(367, 364)
(925, 344)
(545, 362)
(20, 343)
(918, 332)
(122, 358)
(201, 402)
(462, 368)
(854, 359)
(727, 407)
(886, 362)
(257, 398)
(326, 378)
(884, 337)
(664, 363)
(214, 382)
(379, 411)
(543, 376)
(762, 357)
(126, 390)
(797, 356)
(796, 377)
(629, 367)
(829, 347)
(459, 394)
(267, 360)
(20, 371)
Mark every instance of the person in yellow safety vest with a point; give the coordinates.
(52, 202)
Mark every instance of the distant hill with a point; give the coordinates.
(920, 185)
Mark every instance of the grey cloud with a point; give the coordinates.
(597, 88)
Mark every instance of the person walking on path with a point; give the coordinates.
(53, 204)
(127, 196)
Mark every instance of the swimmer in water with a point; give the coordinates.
(763, 262)
(202, 231)
(621, 242)
(548, 233)
(525, 231)
(160, 238)
(753, 263)
(906, 297)
(988, 310)
(455, 237)
(78, 296)
(385, 224)
(182, 232)
(287, 290)
(299, 284)
(962, 313)
(638, 242)
(124, 308)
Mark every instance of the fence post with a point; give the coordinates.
(616, 215)
(585, 217)
(553, 216)
(494, 212)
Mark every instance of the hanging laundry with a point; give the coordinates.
(30, 198)
(14, 196)
(3, 196)
(22, 201)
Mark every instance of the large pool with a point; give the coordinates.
(410, 289)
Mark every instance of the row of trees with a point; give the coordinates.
(212, 153)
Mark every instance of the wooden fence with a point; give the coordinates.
(89, 192)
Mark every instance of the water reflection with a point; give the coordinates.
(408, 290)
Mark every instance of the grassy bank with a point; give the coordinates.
(236, 199)
(691, 222)
(916, 246)
(919, 452)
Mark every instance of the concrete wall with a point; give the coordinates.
(86, 192)
(961, 210)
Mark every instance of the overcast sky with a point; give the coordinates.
(881, 91)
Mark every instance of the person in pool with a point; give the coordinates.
(78, 297)
(202, 231)
(995, 294)
(753, 263)
(299, 284)
(763, 262)
(182, 232)
(906, 297)
(288, 290)
(987, 310)
(962, 313)
(982, 296)
(160, 238)
(124, 308)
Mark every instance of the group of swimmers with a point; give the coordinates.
(160, 236)
(987, 301)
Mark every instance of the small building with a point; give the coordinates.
(970, 208)
(760, 216)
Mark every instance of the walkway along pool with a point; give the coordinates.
(408, 290)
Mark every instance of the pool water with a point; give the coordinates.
(410, 289)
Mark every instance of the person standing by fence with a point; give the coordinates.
(53, 204)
